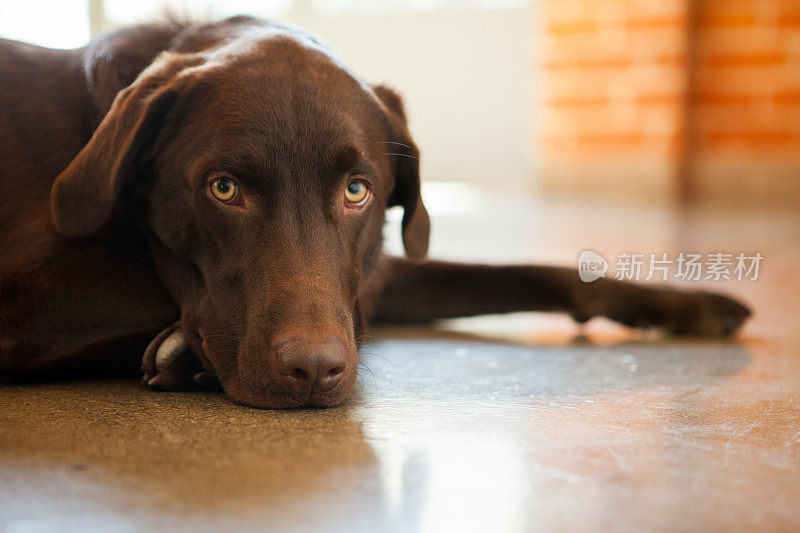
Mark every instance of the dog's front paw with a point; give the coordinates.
(708, 314)
(170, 364)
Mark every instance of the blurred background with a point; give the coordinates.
(657, 100)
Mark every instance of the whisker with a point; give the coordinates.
(401, 155)
(379, 356)
(368, 345)
(365, 367)
(395, 142)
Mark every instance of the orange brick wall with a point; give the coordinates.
(745, 121)
(670, 97)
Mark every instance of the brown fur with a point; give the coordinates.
(109, 234)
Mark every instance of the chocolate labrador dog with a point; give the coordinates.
(225, 185)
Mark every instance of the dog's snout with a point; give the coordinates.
(308, 364)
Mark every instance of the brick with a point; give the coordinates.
(613, 82)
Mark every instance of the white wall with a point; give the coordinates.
(465, 75)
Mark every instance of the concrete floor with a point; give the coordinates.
(491, 424)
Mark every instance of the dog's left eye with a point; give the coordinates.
(356, 193)
(224, 189)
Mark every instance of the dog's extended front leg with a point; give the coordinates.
(421, 292)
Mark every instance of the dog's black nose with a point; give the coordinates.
(310, 365)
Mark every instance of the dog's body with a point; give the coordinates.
(206, 181)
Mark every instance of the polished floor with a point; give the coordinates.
(514, 423)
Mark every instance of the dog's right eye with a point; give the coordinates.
(224, 189)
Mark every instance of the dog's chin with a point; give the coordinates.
(274, 397)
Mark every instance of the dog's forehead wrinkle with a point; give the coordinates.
(261, 137)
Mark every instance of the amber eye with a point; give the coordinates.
(224, 189)
(356, 193)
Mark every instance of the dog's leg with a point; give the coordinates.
(79, 306)
(421, 292)
(170, 363)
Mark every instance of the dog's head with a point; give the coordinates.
(260, 170)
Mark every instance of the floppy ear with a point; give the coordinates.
(114, 59)
(84, 195)
(407, 190)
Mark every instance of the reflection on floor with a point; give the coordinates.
(495, 423)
